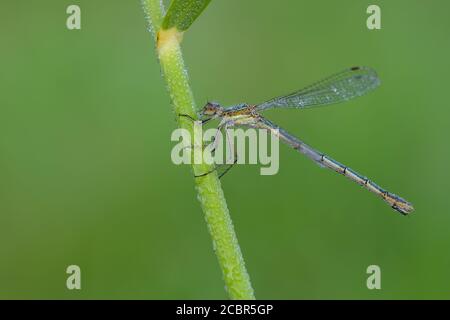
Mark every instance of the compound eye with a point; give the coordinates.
(209, 108)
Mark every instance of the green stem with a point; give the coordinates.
(210, 193)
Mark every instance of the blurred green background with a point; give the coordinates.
(86, 176)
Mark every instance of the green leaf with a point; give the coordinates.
(182, 13)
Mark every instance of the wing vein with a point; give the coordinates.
(343, 86)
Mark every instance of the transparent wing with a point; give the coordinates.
(343, 86)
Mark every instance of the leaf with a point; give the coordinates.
(182, 13)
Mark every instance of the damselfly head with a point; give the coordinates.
(212, 109)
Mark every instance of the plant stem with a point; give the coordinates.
(209, 190)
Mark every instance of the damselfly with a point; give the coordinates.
(340, 87)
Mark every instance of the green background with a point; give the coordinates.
(86, 176)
